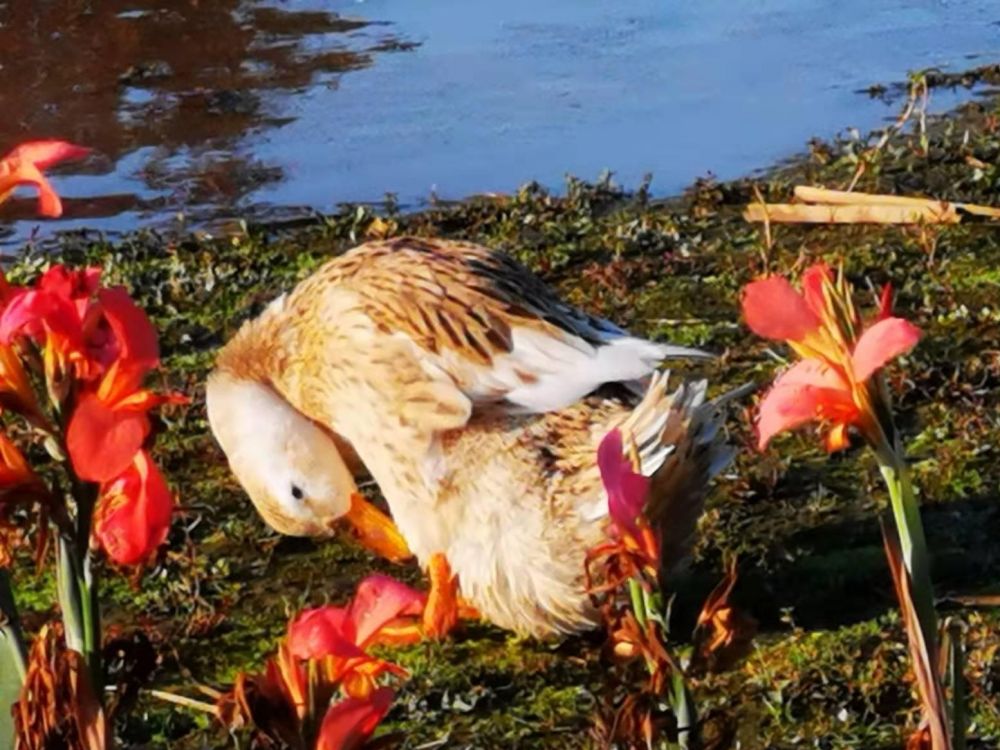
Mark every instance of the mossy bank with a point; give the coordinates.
(829, 669)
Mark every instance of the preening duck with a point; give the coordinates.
(468, 390)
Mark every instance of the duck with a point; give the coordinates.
(476, 399)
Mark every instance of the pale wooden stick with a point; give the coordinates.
(842, 197)
(182, 700)
(797, 213)
(808, 194)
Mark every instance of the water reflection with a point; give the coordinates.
(223, 108)
(167, 93)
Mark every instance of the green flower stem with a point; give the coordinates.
(913, 543)
(77, 593)
(682, 705)
(70, 596)
(91, 619)
(10, 626)
(85, 495)
(638, 601)
(955, 677)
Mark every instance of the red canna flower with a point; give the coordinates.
(133, 512)
(24, 165)
(349, 723)
(832, 383)
(109, 425)
(77, 323)
(99, 336)
(383, 611)
(52, 315)
(380, 606)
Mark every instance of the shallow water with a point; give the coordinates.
(201, 110)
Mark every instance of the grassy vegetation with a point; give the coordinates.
(830, 666)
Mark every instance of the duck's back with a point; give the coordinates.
(481, 320)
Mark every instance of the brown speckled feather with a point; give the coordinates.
(453, 295)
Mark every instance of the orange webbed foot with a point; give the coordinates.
(444, 605)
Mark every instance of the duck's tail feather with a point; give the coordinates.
(679, 442)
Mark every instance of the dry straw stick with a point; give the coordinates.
(823, 206)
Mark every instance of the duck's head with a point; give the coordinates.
(288, 465)
(291, 468)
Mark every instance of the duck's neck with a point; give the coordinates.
(336, 377)
(259, 349)
(261, 353)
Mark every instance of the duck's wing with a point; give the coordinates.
(477, 318)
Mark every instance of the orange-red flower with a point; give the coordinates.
(832, 382)
(14, 470)
(381, 605)
(24, 165)
(383, 611)
(77, 323)
(349, 723)
(110, 425)
(133, 512)
(104, 341)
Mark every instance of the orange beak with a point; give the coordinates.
(375, 530)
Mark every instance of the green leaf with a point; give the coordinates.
(12, 660)
(10, 687)
(954, 650)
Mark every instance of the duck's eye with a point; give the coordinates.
(297, 492)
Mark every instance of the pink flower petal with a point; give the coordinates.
(380, 600)
(773, 309)
(323, 631)
(881, 343)
(812, 287)
(349, 723)
(815, 373)
(625, 488)
(807, 391)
